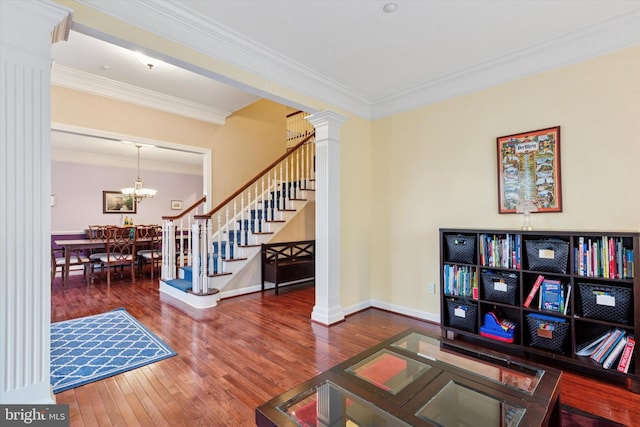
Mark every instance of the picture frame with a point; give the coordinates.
(117, 203)
(176, 205)
(529, 171)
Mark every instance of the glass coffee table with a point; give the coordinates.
(415, 379)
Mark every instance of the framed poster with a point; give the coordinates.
(529, 171)
(116, 202)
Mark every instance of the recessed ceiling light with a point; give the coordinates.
(390, 7)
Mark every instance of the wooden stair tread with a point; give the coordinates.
(218, 274)
(210, 292)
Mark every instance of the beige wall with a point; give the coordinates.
(436, 166)
(300, 227)
(251, 139)
(76, 108)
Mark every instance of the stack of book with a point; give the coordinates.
(613, 346)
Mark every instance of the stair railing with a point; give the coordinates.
(237, 221)
(176, 239)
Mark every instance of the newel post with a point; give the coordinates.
(327, 309)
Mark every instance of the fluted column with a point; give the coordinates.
(27, 29)
(327, 309)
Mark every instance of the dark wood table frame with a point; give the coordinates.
(542, 407)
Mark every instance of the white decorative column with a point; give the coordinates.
(327, 309)
(27, 29)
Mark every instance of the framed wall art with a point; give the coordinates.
(176, 205)
(529, 171)
(118, 203)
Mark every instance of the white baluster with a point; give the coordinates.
(298, 172)
(258, 225)
(234, 222)
(242, 228)
(286, 183)
(219, 262)
(263, 204)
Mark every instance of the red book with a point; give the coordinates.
(534, 289)
(625, 359)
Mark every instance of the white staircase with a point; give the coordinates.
(214, 254)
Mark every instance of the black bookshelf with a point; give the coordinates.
(604, 282)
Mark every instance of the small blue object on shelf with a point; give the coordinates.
(497, 329)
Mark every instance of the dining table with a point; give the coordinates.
(78, 244)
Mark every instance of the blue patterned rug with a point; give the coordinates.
(95, 347)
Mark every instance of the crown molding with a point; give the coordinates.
(96, 85)
(611, 35)
(170, 19)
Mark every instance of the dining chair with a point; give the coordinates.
(58, 261)
(120, 252)
(150, 237)
(97, 232)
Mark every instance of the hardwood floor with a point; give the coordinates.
(243, 352)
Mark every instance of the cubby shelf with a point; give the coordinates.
(602, 269)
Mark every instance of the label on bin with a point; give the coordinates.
(545, 333)
(546, 253)
(460, 312)
(500, 286)
(604, 299)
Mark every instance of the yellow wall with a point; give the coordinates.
(251, 139)
(76, 108)
(436, 166)
(300, 227)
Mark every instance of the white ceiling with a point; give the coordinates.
(349, 53)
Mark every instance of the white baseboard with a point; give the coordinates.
(423, 315)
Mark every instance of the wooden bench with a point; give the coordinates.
(288, 262)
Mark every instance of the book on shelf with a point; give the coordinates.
(589, 347)
(615, 353)
(604, 350)
(552, 296)
(567, 298)
(534, 290)
(627, 354)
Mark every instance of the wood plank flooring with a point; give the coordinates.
(243, 352)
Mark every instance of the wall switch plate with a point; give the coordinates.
(432, 288)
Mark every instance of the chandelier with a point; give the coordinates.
(137, 192)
